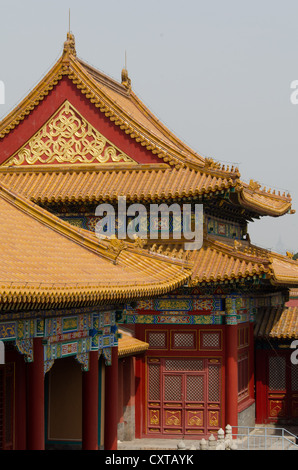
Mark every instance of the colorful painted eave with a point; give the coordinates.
(46, 263)
(118, 103)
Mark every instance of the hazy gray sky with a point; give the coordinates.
(217, 73)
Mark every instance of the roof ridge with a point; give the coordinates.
(247, 251)
(83, 77)
(105, 79)
(71, 66)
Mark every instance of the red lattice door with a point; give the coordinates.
(6, 406)
(277, 403)
(294, 392)
(282, 399)
(173, 392)
(184, 395)
(195, 403)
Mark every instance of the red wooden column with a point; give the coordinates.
(20, 403)
(111, 402)
(35, 399)
(231, 392)
(120, 391)
(90, 404)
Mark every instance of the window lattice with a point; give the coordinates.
(211, 340)
(173, 388)
(154, 382)
(277, 373)
(194, 388)
(294, 377)
(157, 340)
(8, 408)
(184, 364)
(243, 380)
(213, 383)
(184, 340)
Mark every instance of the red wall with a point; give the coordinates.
(66, 90)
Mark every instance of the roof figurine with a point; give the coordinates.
(125, 80)
(69, 47)
(164, 166)
(80, 139)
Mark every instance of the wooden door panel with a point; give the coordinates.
(173, 394)
(183, 396)
(277, 406)
(282, 395)
(194, 408)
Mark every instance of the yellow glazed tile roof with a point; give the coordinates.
(123, 108)
(129, 346)
(85, 184)
(45, 262)
(118, 102)
(265, 201)
(285, 269)
(137, 183)
(219, 261)
(277, 323)
(286, 326)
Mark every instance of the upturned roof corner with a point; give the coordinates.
(185, 173)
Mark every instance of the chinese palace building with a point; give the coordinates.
(191, 319)
(62, 294)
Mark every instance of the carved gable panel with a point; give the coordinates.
(67, 138)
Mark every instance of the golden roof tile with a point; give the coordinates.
(265, 202)
(285, 270)
(131, 116)
(45, 263)
(129, 346)
(219, 261)
(118, 102)
(99, 184)
(277, 323)
(286, 326)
